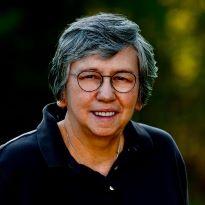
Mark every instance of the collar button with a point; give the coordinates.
(111, 188)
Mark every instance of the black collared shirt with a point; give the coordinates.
(36, 168)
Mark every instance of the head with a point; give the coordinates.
(103, 34)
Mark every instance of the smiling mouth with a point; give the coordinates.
(105, 114)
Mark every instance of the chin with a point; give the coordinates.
(105, 132)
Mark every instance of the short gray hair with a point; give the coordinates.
(104, 34)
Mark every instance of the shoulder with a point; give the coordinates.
(160, 139)
(19, 148)
(153, 131)
(162, 144)
(166, 153)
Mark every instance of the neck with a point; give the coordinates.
(99, 155)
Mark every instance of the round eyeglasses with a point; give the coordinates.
(122, 82)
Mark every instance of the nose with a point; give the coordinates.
(106, 92)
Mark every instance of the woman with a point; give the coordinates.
(87, 149)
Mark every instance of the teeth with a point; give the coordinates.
(105, 114)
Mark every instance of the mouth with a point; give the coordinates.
(104, 114)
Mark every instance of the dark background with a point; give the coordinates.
(28, 36)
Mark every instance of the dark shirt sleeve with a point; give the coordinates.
(182, 177)
(7, 179)
(171, 155)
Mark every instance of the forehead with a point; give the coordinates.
(126, 59)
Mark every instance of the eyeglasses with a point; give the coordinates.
(122, 82)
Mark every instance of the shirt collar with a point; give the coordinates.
(137, 138)
(54, 150)
(49, 137)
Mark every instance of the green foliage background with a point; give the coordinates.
(28, 36)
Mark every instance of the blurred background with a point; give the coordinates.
(28, 36)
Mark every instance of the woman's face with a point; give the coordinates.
(103, 112)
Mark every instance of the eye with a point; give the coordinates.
(123, 77)
(120, 78)
(89, 76)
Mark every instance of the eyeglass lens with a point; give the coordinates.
(121, 81)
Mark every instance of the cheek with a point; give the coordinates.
(77, 98)
(130, 100)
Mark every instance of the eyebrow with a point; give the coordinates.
(112, 72)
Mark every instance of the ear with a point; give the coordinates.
(62, 103)
(138, 106)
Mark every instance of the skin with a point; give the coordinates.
(95, 139)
